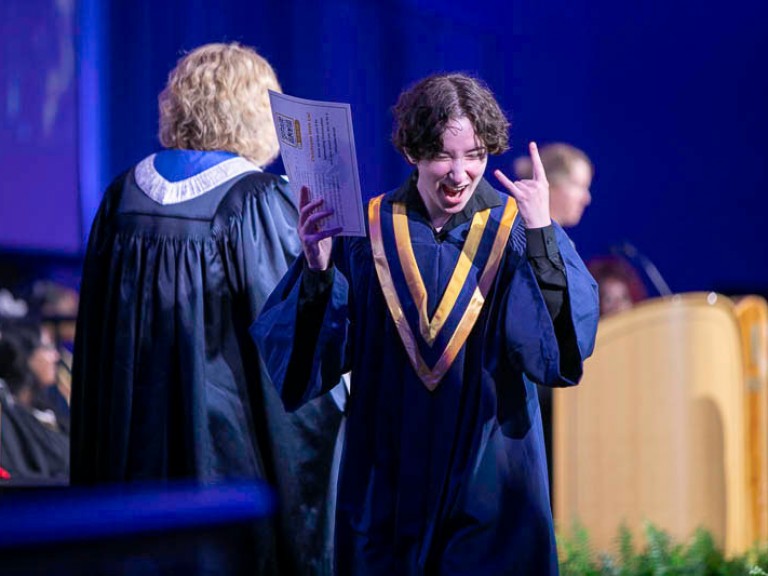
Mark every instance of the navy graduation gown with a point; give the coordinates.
(166, 380)
(449, 480)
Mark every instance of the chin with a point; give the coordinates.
(454, 209)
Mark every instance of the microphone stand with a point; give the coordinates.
(649, 268)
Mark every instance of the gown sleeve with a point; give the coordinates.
(550, 352)
(88, 351)
(261, 244)
(302, 331)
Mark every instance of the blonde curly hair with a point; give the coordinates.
(216, 99)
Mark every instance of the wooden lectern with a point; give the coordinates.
(752, 315)
(664, 429)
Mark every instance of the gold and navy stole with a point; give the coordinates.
(432, 344)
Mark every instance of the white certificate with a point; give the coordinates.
(317, 146)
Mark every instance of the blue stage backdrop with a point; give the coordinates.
(39, 208)
(668, 98)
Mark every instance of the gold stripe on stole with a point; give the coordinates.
(390, 293)
(431, 378)
(430, 329)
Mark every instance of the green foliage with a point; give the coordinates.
(660, 556)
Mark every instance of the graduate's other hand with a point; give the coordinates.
(315, 241)
(532, 196)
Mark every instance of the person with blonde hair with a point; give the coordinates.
(570, 173)
(184, 250)
(216, 99)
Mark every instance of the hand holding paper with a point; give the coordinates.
(315, 238)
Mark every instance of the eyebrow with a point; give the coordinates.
(475, 149)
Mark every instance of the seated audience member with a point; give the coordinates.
(33, 446)
(570, 173)
(619, 284)
(29, 364)
(57, 305)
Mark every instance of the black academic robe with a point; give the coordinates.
(166, 382)
(31, 452)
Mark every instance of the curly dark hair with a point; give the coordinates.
(423, 111)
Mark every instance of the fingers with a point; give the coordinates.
(308, 207)
(304, 197)
(507, 183)
(538, 167)
(311, 218)
(323, 234)
(312, 221)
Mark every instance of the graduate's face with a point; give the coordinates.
(447, 181)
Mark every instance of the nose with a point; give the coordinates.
(458, 170)
(587, 197)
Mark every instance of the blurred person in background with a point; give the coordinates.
(184, 250)
(56, 305)
(619, 284)
(570, 172)
(30, 363)
(34, 445)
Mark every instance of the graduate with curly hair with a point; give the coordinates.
(456, 302)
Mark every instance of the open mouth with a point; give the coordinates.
(453, 193)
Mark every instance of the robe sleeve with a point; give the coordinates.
(302, 332)
(544, 256)
(86, 360)
(261, 243)
(550, 352)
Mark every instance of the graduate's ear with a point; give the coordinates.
(409, 158)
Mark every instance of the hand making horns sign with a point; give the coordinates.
(532, 196)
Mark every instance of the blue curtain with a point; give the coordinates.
(667, 98)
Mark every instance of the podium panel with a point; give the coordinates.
(656, 430)
(752, 316)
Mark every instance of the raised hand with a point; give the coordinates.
(315, 241)
(532, 196)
